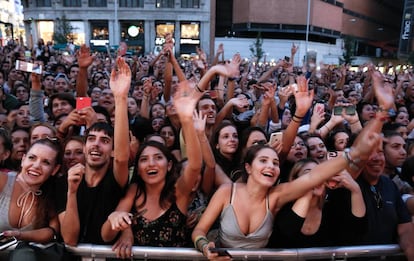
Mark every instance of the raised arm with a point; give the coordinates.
(84, 60)
(120, 83)
(36, 99)
(361, 149)
(303, 101)
(185, 100)
(229, 70)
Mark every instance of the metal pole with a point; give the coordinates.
(307, 30)
(116, 31)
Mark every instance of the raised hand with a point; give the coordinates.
(303, 96)
(294, 49)
(85, 59)
(185, 99)
(232, 68)
(199, 122)
(120, 78)
(383, 92)
(36, 85)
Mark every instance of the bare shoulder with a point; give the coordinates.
(223, 192)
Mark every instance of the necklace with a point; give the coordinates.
(27, 197)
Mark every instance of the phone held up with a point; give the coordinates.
(275, 136)
(28, 67)
(349, 110)
(83, 102)
(6, 241)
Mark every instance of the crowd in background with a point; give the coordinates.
(202, 152)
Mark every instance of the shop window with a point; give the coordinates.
(72, 3)
(43, 3)
(164, 4)
(190, 3)
(97, 3)
(131, 3)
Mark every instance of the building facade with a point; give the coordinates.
(373, 25)
(141, 23)
(11, 21)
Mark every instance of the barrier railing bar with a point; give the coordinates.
(162, 253)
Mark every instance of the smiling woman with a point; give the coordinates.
(158, 197)
(26, 198)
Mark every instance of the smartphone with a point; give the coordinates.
(276, 136)
(337, 110)
(6, 241)
(83, 102)
(220, 252)
(28, 67)
(350, 110)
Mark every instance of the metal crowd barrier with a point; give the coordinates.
(90, 252)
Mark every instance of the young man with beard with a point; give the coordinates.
(94, 189)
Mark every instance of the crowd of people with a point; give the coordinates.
(202, 153)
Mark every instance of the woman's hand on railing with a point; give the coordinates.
(123, 246)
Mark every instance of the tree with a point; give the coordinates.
(63, 31)
(349, 51)
(256, 48)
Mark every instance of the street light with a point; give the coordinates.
(307, 30)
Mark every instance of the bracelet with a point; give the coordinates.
(294, 115)
(54, 232)
(327, 128)
(198, 88)
(293, 119)
(353, 164)
(200, 242)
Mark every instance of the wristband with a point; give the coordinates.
(200, 242)
(198, 88)
(298, 116)
(353, 164)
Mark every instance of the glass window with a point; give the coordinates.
(100, 30)
(131, 3)
(43, 3)
(72, 3)
(45, 29)
(190, 3)
(78, 32)
(164, 4)
(97, 3)
(132, 32)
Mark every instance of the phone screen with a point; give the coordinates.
(350, 110)
(83, 102)
(337, 110)
(28, 67)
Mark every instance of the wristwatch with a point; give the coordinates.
(353, 163)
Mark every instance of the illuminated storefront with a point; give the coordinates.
(189, 37)
(162, 28)
(132, 32)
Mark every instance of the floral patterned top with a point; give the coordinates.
(169, 230)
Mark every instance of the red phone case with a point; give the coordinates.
(82, 102)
